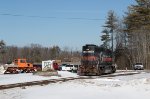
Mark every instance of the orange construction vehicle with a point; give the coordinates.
(19, 66)
(22, 63)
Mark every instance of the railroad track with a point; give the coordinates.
(45, 82)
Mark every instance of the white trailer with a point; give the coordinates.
(47, 65)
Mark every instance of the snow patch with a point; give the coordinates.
(107, 79)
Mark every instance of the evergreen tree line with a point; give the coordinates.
(35, 53)
(129, 37)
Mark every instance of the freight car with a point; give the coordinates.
(96, 60)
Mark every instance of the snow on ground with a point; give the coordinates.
(28, 77)
(120, 87)
(67, 74)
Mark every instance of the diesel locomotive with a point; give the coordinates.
(96, 60)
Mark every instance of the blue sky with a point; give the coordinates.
(66, 23)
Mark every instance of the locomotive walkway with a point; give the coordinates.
(45, 82)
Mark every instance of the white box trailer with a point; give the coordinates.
(47, 65)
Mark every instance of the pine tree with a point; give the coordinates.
(138, 16)
(2, 50)
(111, 24)
(105, 38)
(137, 24)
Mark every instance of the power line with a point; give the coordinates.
(48, 17)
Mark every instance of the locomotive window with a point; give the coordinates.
(88, 53)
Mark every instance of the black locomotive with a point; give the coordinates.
(96, 60)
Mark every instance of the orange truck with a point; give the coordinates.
(20, 65)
